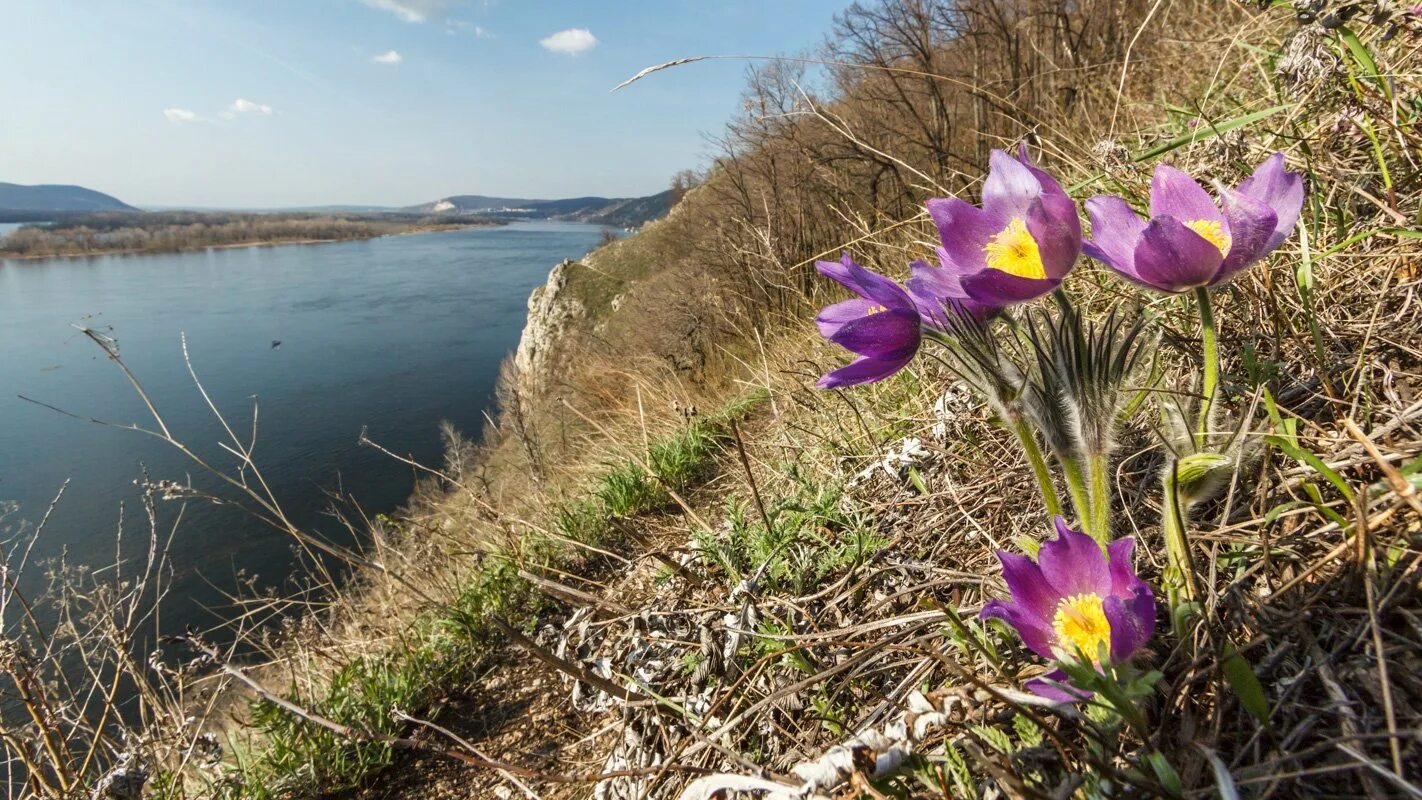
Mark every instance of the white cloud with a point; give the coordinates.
(571, 42)
(244, 106)
(180, 116)
(410, 10)
(388, 57)
(464, 26)
(239, 108)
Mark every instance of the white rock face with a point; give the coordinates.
(441, 206)
(550, 312)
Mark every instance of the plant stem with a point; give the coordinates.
(1039, 466)
(1080, 497)
(1180, 577)
(1098, 469)
(1210, 380)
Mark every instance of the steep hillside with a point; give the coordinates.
(45, 197)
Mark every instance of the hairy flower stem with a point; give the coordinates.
(1098, 468)
(1039, 466)
(1080, 495)
(1210, 380)
(1180, 576)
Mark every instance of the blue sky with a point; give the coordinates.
(269, 103)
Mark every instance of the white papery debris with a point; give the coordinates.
(124, 782)
(956, 402)
(873, 753)
(896, 460)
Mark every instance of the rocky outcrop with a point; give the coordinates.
(551, 312)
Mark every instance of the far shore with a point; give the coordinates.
(440, 228)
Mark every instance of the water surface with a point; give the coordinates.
(392, 335)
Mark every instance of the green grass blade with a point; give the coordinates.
(1245, 684)
(1303, 456)
(1363, 57)
(1210, 133)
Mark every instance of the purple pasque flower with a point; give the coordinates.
(1075, 601)
(1190, 241)
(1019, 245)
(938, 294)
(882, 325)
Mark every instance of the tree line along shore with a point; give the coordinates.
(102, 233)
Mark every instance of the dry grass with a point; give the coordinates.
(795, 594)
(1312, 584)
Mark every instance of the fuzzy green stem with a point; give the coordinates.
(1210, 380)
(1098, 469)
(1039, 466)
(1180, 577)
(1080, 496)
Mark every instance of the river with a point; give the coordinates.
(390, 335)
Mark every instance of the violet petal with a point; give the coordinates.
(832, 317)
(863, 282)
(1132, 621)
(1073, 563)
(1058, 238)
(1118, 555)
(862, 370)
(1251, 224)
(1281, 190)
(996, 288)
(887, 334)
(1035, 635)
(1029, 587)
(1173, 258)
(1055, 685)
(1175, 194)
(1010, 188)
(964, 230)
(1115, 231)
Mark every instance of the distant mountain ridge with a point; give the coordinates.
(54, 197)
(619, 211)
(32, 202)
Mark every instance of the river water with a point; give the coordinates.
(390, 335)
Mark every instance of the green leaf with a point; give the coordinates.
(1304, 273)
(959, 771)
(996, 737)
(1321, 507)
(1028, 732)
(1273, 514)
(1028, 545)
(917, 481)
(1287, 427)
(1301, 455)
(1211, 132)
(1363, 57)
(1166, 774)
(1245, 684)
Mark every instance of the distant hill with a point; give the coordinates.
(618, 211)
(474, 204)
(14, 197)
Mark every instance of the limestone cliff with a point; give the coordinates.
(552, 310)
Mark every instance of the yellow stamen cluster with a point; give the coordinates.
(1014, 251)
(1212, 232)
(872, 310)
(1081, 625)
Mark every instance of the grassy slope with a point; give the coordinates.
(794, 603)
